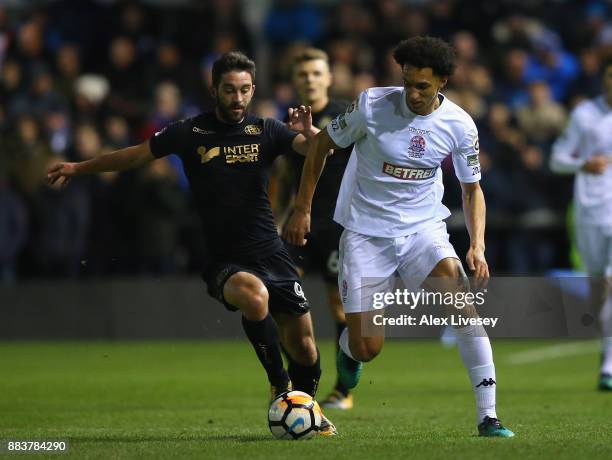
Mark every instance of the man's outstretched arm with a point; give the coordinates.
(119, 160)
(299, 223)
(474, 209)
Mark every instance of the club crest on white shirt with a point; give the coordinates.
(417, 147)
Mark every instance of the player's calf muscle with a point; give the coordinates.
(302, 349)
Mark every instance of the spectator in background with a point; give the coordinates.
(11, 86)
(159, 207)
(588, 82)
(28, 153)
(13, 230)
(68, 67)
(125, 79)
(510, 88)
(60, 224)
(293, 18)
(551, 63)
(543, 119)
(117, 133)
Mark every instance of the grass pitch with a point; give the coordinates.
(208, 400)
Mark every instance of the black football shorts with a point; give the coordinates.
(277, 273)
(320, 253)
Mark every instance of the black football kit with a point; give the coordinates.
(228, 166)
(322, 248)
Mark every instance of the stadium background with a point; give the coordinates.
(118, 256)
(82, 77)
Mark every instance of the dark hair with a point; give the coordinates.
(234, 60)
(424, 52)
(310, 54)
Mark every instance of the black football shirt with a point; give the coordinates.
(328, 187)
(228, 166)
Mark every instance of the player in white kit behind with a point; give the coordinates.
(390, 206)
(585, 149)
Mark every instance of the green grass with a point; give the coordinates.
(208, 400)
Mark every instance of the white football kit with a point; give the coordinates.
(589, 132)
(390, 200)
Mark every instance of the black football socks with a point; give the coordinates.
(305, 378)
(265, 340)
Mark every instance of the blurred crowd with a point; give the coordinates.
(79, 78)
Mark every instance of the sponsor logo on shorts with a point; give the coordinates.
(344, 290)
(472, 160)
(404, 173)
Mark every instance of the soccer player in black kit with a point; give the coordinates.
(227, 154)
(312, 78)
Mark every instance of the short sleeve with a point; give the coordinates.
(168, 140)
(350, 126)
(280, 136)
(466, 156)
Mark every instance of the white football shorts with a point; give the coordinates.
(370, 265)
(595, 246)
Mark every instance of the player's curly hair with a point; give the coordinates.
(233, 60)
(424, 52)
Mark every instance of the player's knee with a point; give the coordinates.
(365, 351)
(255, 302)
(249, 295)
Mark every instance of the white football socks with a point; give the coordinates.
(477, 355)
(344, 343)
(605, 318)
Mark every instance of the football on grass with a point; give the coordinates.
(294, 415)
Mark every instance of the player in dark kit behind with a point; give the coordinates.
(312, 78)
(227, 154)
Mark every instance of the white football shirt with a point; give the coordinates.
(589, 132)
(392, 185)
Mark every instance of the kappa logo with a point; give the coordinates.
(486, 383)
(206, 156)
(344, 290)
(476, 145)
(195, 129)
(253, 130)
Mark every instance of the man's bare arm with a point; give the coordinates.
(474, 209)
(119, 160)
(299, 224)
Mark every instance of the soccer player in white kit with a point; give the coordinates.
(585, 149)
(390, 206)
